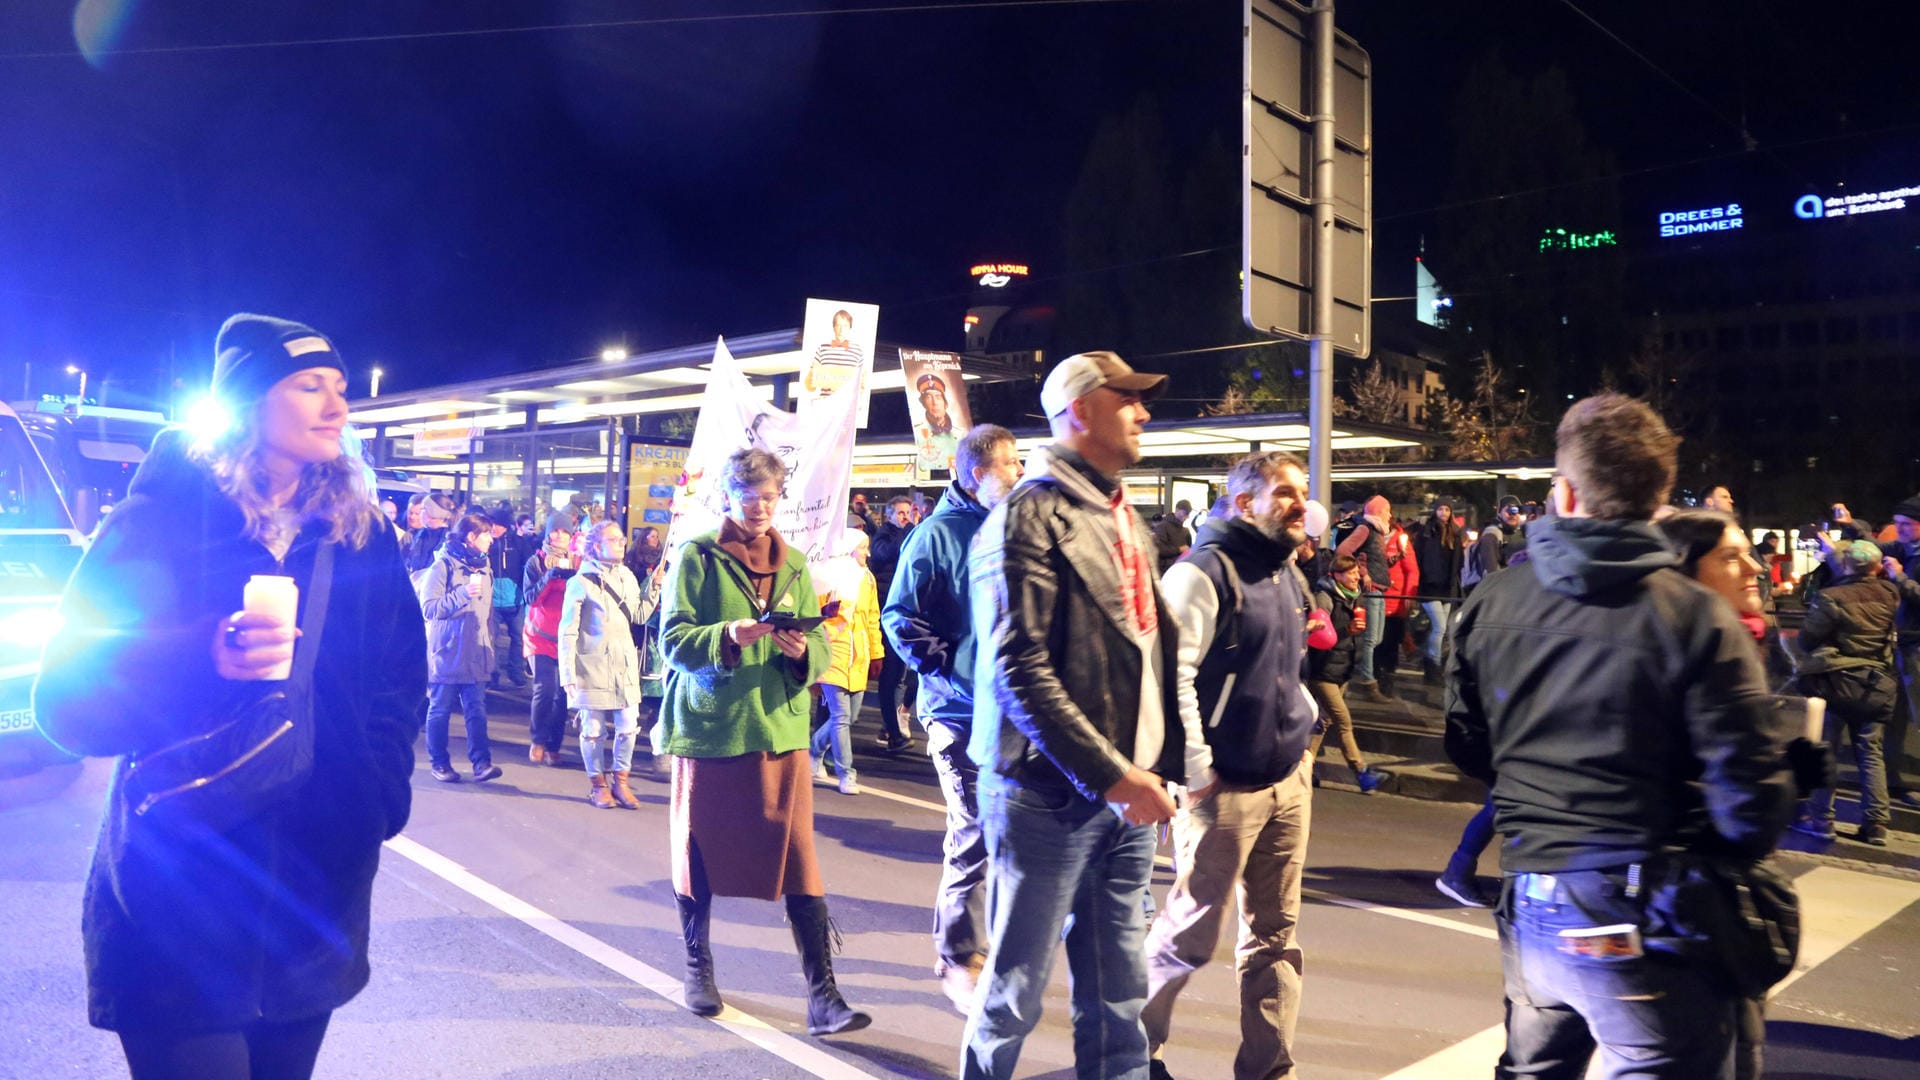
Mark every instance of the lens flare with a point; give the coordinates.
(208, 419)
(99, 26)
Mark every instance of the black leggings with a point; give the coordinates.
(263, 1051)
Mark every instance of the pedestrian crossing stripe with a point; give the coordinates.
(1837, 908)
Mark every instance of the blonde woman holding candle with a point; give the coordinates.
(222, 951)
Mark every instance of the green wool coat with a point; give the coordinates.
(722, 701)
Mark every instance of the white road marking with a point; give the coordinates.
(1410, 915)
(1837, 908)
(1407, 914)
(754, 1030)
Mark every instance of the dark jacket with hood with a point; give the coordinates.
(1335, 664)
(1246, 697)
(1058, 673)
(201, 931)
(928, 615)
(1613, 703)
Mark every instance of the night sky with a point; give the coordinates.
(455, 206)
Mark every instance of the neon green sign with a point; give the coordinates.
(1562, 240)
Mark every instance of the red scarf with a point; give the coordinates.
(1136, 569)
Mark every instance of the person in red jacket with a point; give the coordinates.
(1403, 583)
(544, 584)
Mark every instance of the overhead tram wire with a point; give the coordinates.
(1746, 138)
(606, 24)
(1747, 142)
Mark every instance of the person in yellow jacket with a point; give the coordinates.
(853, 646)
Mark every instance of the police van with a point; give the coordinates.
(91, 450)
(39, 548)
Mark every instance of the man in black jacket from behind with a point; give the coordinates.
(1619, 713)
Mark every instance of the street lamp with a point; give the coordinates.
(375, 391)
(613, 354)
(74, 369)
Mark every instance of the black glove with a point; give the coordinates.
(1812, 765)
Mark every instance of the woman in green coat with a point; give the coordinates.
(735, 720)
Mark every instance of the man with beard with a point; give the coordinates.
(1241, 830)
(929, 623)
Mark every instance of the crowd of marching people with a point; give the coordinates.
(1083, 677)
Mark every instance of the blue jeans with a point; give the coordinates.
(593, 734)
(1437, 614)
(473, 709)
(837, 731)
(1659, 1015)
(1059, 862)
(1376, 605)
(958, 907)
(1473, 841)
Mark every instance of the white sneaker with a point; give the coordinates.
(820, 772)
(849, 783)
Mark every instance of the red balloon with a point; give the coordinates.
(1324, 636)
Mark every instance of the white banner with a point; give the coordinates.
(816, 444)
(836, 347)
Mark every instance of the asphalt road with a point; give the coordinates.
(521, 933)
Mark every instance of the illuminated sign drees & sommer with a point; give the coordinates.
(1706, 219)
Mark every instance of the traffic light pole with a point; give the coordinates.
(1320, 343)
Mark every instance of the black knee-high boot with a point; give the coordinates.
(696, 920)
(827, 1012)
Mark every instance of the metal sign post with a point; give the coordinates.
(1307, 249)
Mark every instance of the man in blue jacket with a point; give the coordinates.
(929, 623)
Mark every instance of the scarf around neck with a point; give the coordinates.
(461, 552)
(763, 555)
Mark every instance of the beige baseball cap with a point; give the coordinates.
(1083, 373)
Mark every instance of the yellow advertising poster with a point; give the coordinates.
(653, 473)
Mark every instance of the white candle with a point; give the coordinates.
(1816, 719)
(278, 598)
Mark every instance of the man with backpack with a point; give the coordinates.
(1494, 547)
(1241, 827)
(1364, 536)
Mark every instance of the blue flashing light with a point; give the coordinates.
(208, 419)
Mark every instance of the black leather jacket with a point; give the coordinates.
(1058, 673)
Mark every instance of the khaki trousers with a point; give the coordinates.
(1245, 847)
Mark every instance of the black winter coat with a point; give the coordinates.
(883, 555)
(1335, 665)
(1439, 564)
(200, 931)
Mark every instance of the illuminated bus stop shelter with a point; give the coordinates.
(538, 437)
